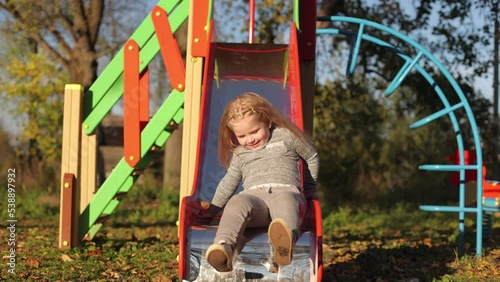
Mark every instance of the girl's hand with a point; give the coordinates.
(213, 210)
(209, 212)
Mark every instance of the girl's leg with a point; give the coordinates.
(290, 205)
(243, 210)
(287, 208)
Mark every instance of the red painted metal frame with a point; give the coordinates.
(131, 102)
(200, 37)
(251, 20)
(314, 217)
(302, 47)
(307, 34)
(187, 215)
(208, 82)
(294, 79)
(318, 229)
(491, 189)
(169, 49)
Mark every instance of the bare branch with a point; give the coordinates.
(94, 17)
(60, 39)
(52, 52)
(79, 25)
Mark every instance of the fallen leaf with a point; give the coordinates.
(96, 253)
(428, 242)
(33, 263)
(162, 278)
(65, 257)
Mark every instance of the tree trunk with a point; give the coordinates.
(330, 8)
(496, 120)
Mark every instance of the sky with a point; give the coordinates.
(484, 84)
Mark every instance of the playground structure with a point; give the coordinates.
(214, 73)
(491, 190)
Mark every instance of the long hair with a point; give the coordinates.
(248, 104)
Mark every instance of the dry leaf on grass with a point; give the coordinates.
(162, 278)
(65, 257)
(96, 253)
(110, 274)
(33, 263)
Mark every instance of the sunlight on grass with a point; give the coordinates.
(139, 243)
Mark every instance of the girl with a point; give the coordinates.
(260, 147)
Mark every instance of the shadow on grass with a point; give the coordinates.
(419, 263)
(160, 223)
(118, 243)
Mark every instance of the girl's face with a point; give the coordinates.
(251, 132)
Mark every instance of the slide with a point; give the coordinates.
(270, 70)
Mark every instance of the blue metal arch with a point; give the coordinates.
(410, 64)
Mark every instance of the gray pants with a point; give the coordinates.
(257, 208)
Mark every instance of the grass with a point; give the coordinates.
(139, 243)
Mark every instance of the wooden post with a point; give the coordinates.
(197, 45)
(70, 165)
(88, 170)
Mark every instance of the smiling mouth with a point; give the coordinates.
(254, 145)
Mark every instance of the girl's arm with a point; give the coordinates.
(307, 151)
(310, 177)
(228, 184)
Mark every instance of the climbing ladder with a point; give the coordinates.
(412, 64)
(126, 75)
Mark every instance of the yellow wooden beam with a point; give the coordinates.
(88, 172)
(192, 101)
(71, 156)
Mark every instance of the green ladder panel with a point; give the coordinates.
(108, 87)
(122, 177)
(105, 93)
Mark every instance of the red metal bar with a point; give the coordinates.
(199, 38)
(307, 34)
(186, 217)
(319, 239)
(294, 79)
(251, 20)
(169, 49)
(68, 210)
(131, 102)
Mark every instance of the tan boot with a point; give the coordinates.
(281, 239)
(220, 256)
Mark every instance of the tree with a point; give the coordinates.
(390, 169)
(472, 45)
(31, 84)
(67, 35)
(61, 39)
(66, 30)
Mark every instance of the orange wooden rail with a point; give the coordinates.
(169, 49)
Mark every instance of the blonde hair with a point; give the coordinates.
(249, 104)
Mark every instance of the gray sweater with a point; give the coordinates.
(275, 162)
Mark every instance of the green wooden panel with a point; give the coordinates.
(166, 134)
(129, 181)
(118, 178)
